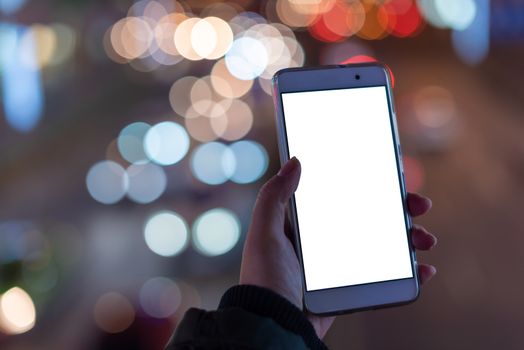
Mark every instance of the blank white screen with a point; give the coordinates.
(349, 203)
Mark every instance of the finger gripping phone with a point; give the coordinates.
(349, 214)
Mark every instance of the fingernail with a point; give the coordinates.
(289, 167)
(435, 240)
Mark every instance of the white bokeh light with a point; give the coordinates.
(166, 233)
(216, 232)
(166, 143)
(107, 182)
(247, 58)
(213, 163)
(457, 15)
(251, 161)
(203, 38)
(17, 311)
(147, 182)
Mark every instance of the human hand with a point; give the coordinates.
(269, 259)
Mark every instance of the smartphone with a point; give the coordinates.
(349, 214)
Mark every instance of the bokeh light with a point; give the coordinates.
(22, 241)
(40, 279)
(165, 33)
(235, 122)
(166, 233)
(216, 232)
(17, 311)
(191, 297)
(289, 15)
(213, 163)
(283, 50)
(11, 6)
(320, 31)
(404, 18)
(147, 182)
(224, 37)
(160, 297)
(341, 21)
(431, 118)
(266, 85)
(205, 102)
(316, 7)
(113, 153)
(434, 106)
(166, 143)
(107, 182)
(428, 8)
(131, 37)
(22, 92)
(211, 37)
(131, 142)
(225, 11)
(200, 128)
(226, 84)
(183, 41)
(245, 20)
(150, 10)
(337, 20)
(456, 15)
(376, 23)
(204, 38)
(414, 174)
(113, 313)
(251, 161)
(472, 44)
(66, 40)
(247, 58)
(180, 94)
(37, 46)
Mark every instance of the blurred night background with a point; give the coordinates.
(134, 136)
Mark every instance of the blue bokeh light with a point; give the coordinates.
(251, 161)
(21, 85)
(213, 163)
(131, 142)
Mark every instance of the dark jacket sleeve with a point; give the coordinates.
(248, 317)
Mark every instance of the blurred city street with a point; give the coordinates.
(133, 150)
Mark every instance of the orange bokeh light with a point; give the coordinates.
(376, 24)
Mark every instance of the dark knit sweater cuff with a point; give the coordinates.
(266, 303)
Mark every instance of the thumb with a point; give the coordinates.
(269, 212)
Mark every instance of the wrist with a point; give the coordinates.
(266, 303)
